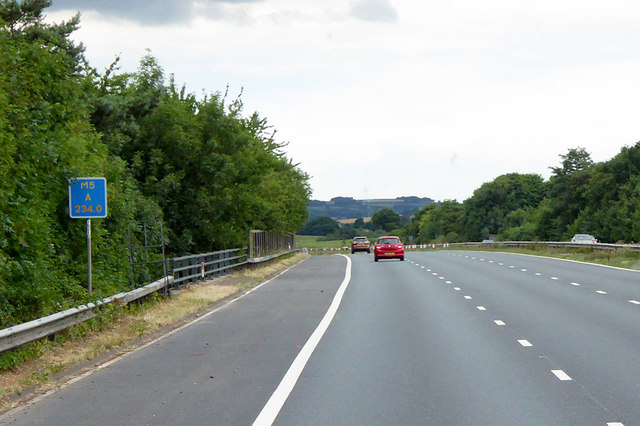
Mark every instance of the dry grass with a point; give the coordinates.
(124, 330)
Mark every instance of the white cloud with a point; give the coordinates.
(374, 10)
(497, 86)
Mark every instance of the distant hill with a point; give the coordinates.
(348, 208)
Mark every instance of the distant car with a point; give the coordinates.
(584, 239)
(360, 244)
(388, 248)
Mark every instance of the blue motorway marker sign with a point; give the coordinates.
(87, 197)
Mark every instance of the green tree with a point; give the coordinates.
(440, 222)
(484, 213)
(46, 139)
(323, 225)
(566, 192)
(611, 199)
(386, 219)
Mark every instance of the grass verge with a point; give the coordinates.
(621, 258)
(38, 367)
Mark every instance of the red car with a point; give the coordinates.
(388, 248)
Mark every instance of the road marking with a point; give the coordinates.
(499, 322)
(457, 288)
(481, 260)
(434, 273)
(491, 261)
(428, 270)
(576, 284)
(555, 278)
(481, 308)
(525, 343)
(523, 270)
(537, 274)
(422, 267)
(468, 297)
(270, 411)
(447, 282)
(601, 292)
(615, 424)
(561, 375)
(511, 266)
(635, 302)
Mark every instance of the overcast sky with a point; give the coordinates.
(388, 98)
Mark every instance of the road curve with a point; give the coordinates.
(220, 370)
(444, 338)
(461, 338)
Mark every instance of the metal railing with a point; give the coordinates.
(200, 266)
(597, 246)
(33, 330)
(183, 269)
(264, 245)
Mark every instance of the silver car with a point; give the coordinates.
(584, 239)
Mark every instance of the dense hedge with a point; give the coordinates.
(206, 171)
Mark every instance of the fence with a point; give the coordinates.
(596, 246)
(201, 266)
(265, 245)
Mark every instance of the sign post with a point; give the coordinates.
(87, 200)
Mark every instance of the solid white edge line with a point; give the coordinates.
(271, 410)
(119, 358)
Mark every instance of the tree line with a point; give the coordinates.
(602, 199)
(581, 196)
(201, 167)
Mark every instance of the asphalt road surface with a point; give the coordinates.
(444, 338)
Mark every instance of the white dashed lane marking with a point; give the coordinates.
(555, 278)
(481, 308)
(500, 322)
(576, 284)
(525, 343)
(635, 302)
(561, 375)
(601, 292)
(468, 297)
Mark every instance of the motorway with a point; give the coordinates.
(444, 338)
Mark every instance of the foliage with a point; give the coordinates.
(386, 219)
(612, 199)
(323, 225)
(200, 167)
(602, 199)
(484, 213)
